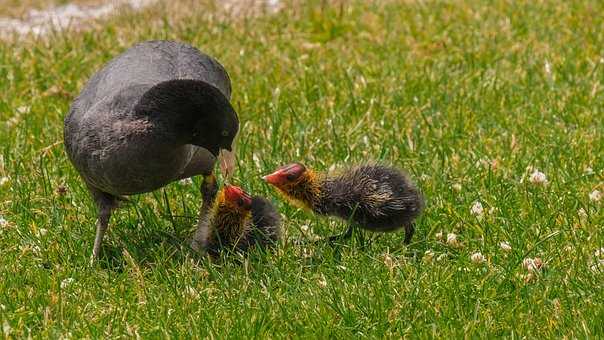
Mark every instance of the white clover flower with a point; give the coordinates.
(3, 181)
(588, 170)
(322, 282)
(538, 178)
(6, 328)
(192, 292)
(595, 196)
(477, 258)
(66, 282)
(582, 213)
(42, 232)
(36, 250)
(307, 253)
(389, 262)
(3, 222)
(532, 265)
(456, 187)
(186, 181)
(452, 239)
(599, 252)
(597, 266)
(305, 228)
(547, 67)
(428, 256)
(23, 109)
(477, 209)
(505, 246)
(439, 236)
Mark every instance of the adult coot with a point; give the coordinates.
(157, 113)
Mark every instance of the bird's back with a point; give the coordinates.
(150, 63)
(377, 197)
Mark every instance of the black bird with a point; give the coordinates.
(231, 219)
(157, 113)
(373, 197)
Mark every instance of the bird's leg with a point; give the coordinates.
(409, 230)
(101, 227)
(208, 189)
(348, 233)
(344, 236)
(105, 204)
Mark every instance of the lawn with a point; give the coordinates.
(500, 104)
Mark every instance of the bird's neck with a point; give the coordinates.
(308, 193)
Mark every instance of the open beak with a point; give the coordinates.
(226, 160)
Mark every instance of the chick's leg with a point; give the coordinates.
(409, 230)
(344, 236)
(208, 189)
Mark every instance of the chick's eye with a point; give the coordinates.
(224, 133)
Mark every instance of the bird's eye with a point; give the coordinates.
(240, 202)
(291, 177)
(225, 133)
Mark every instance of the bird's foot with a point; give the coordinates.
(341, 237)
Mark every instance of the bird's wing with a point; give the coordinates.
(153, 62)
(193, 64)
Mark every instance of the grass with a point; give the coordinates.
(20, 8)
(461, 94)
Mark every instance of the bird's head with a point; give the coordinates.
(299, 184)
(236, 198)
(193, 112)
(287, 175)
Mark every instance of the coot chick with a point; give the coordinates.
(233, 220)
(372, 197)
(157, 113)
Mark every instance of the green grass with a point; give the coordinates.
(456, 93)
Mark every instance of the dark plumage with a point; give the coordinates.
(233, 220)
(373, 197)
(157, 113)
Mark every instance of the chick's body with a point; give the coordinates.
(376, 197)
(373, 197)
(236, 221)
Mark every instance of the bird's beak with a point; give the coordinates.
(234, 194)
(276, 178)
(226, 160)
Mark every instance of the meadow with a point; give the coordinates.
(495, 108)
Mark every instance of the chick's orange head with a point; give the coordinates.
(236, 196)
(286, 174)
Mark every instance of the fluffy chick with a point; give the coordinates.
(234, 220)
(373, 197)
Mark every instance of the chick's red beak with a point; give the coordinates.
(277, 178)
(285, 174)
(237, 196)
